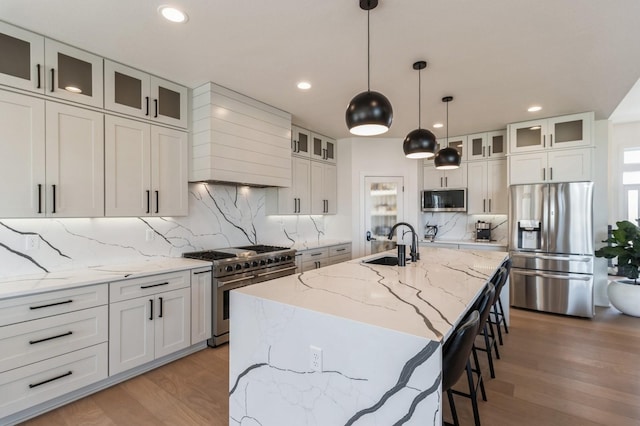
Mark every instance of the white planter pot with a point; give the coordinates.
(625, 297)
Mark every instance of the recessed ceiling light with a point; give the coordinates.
(534, 108)
(304, 85)
(172, 14)
(438, 125)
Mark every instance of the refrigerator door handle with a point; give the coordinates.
(555, 257)
(555, 276)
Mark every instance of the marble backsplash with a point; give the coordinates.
(219, 216)
(460, 226)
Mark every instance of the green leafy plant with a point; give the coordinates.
(626, 247)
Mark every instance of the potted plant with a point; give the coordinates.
(625, 245)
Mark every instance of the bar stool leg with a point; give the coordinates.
(496, 321)
(504, 320)
(474, 395)
(452, 405)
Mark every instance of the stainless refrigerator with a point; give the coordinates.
(551, 247)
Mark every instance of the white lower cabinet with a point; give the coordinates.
(322, 256)
(201, 302)
(149, 327)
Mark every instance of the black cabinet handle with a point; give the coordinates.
(155, 101)
(157, 201)
(68, 373)
(54, 199)
(160, 316)
(53, 79)
(550, 173)
(484, 205)
(33, 342)
(550, 140)
(39, 80)
(489, 205)
(39, 198)
(146, 98)
(51, 304)
(150, 309)
(148, 201)
(202, 272)
(544, 174)
(154, 285)
(341, 249)
(544, 141)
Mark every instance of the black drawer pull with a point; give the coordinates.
(154, 285)
(68, 373)
(342, 249)
(316, 254)
(33, 342)
(50, 304)
(202, 272)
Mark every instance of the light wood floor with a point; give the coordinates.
(554, 370)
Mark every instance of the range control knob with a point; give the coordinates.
(269, 261)
(283, 258)
(254, 263)
(238, 267)
(229, 268)
(289, 257)
(262, 262)
(246, 264)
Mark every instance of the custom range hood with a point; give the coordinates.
(238, 140)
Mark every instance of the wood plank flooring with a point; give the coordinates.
(554, 370)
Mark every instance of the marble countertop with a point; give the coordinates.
(38, 283)
(425, 298)
(468, 242)
(311, 245)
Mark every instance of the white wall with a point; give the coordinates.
(601, 195)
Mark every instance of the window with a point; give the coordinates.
(631, 183)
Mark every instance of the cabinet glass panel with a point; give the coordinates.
(457, 145)
(568, 131)
(497, 144)
(303, 142)
(330, 148)
(128, 90)
(74, 75)
(476, 147)
(168, 103)
(16, 57)
(528, 136)
(317, 147)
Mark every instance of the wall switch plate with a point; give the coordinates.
(31, 242)
(150, 235)
(315, 358)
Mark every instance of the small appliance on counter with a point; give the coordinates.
(483, 231)
(430, 232)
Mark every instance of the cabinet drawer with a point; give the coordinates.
(339, 259)
(317, 254)
(54, 303)
(340, 250)
(37, 340)
(314, 264)
(25, 387)
(138, 287)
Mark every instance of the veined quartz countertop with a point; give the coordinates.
(39, 283)
(465, 242)
(426, 298)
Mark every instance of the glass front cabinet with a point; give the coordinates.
(300, 142)
(487, 145)
(568, 131)
(323, 148)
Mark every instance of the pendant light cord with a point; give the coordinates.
(419, 98)
(447, 124)
(368, 54)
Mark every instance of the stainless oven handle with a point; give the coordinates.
(275, 272)
(553, 276)
(237, 280)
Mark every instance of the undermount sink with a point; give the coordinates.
(386, 260)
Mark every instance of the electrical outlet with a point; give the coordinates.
(315, 358)
(31, 242)
(150, 235)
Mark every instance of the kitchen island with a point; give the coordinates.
(352, 343)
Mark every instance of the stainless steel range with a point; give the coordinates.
(238, 267)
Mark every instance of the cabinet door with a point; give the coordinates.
(432, 178)
(476, 147)
(126, 90)
(131, 334)
(127, 183)
(330, 188)
(300, 142)
(302, 184)
(22, 155)
(323, 148)
(168, 102)
(201, 305)
(22, 63)
(318, 202)
(569, 165)
(497, 144)
(570, 130)
(458, 143)
(497, 193)
(527, 168)
(172, 321)
(169, 184)
(330, 150)
(73, 74)
(456, 178)
(527, 136)
(477, 188)
(74, 161)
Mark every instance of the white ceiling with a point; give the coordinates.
(496, 57)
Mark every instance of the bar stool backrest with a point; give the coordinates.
(456, 351)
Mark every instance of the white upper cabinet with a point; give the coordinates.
(487, 190)
(133, 92)
(437, 179)
(22, 58)
(568, 131)
(323, 188)
(294, 199)
(323, 148)
(169, 173)
(486, 145)
(570, 165)
(300, 142)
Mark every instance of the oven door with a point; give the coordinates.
(273, 274)
(221, 303)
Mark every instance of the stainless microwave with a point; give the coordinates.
(444, 200)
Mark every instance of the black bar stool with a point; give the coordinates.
(483, 305)
(499, 319)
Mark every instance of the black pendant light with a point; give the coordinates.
(447, 158)
(419, 143)
(369, 113)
